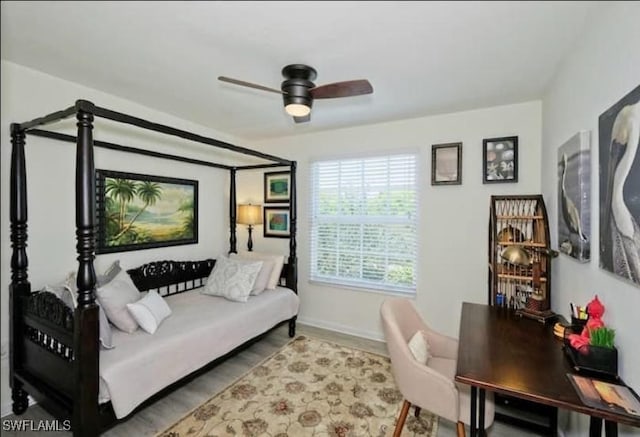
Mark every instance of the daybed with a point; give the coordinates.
(55, 352)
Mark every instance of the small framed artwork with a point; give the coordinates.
(446, 164)
(500, 160)
(276, 221)
(277, 186)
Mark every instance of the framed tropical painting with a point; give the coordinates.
(277, 186)
(276, 221)
(138, 211)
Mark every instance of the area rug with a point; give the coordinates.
(310, 387)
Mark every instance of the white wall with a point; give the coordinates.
(453, 219)
(602, 68)
(27, 94)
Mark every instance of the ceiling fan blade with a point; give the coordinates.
(347, 88)
(249, 84)
(302, 119)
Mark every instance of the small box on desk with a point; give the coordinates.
(593, 359)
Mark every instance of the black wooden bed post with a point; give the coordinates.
(292, 280)
(19, 277)
(85, 420)
(232, 212)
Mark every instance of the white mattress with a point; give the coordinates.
(200, 329)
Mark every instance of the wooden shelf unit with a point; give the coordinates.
(519, 221)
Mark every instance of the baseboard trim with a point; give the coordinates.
(337, 327)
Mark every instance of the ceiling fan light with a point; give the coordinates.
(297, 110)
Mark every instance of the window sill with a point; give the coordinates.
(363, 289)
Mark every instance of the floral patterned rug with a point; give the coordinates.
(309, 388)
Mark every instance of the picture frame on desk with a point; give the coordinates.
(606, 396)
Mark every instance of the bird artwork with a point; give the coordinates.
(574, 197)
(620, 206)
(569, 210)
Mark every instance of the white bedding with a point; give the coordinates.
(200, 329)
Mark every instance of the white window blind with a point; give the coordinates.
(364, 222)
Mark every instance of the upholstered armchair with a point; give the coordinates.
(429, 386)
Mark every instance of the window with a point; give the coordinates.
(364, 222)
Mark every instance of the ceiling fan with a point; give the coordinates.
(298, 91)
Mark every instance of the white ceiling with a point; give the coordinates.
(422, 58)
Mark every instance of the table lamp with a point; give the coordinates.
(250, 215)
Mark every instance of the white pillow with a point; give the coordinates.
(149, 311)
(262, 280)
(232, 279)
(420, 347)
(274, 279)
(114, 297)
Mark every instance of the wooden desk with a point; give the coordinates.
(520, 357)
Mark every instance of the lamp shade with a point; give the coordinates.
(249, 214)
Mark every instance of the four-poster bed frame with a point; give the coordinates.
(55, 350)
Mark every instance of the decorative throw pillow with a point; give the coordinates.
(115, 296)
(149, 311)
(274, 279)
(420, 347)
(262, 280)
(70, 299)
(232, 279)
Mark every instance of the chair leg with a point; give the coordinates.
(401, 418)
(460, 429)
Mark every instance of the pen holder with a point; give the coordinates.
(578, 324)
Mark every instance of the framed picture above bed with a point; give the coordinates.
(277, 186)
(276, 221)
(138, 211)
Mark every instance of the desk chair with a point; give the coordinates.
(431, 386)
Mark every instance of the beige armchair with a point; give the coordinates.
(431, 386)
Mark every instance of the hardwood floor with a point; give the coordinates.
(164, 412)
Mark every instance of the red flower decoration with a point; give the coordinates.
(595, 309)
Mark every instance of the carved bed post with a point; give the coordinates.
(85, 332)
(20, 286)
(292, 279)
(232, 212)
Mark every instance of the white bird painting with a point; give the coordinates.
(620, 192)
(574, 197)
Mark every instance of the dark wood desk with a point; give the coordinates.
(501, 352)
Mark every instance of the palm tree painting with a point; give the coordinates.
(574, 197)
(139, 211)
